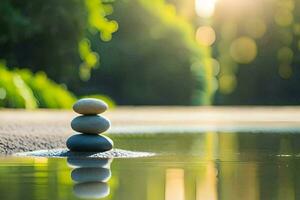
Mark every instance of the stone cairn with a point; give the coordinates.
(89, 125)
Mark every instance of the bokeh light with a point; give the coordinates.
(297, 29)
(216, 66)
(285, 55)
(215, 84)
(243, 50)
(256, 28)
(285, 71)
(286, 4)
(283, 17)
(205, 8)
(286, 37)
(227, 83)
(205, 35)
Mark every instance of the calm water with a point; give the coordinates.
(187, 167)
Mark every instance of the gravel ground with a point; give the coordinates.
(114, 153)
(22, 130)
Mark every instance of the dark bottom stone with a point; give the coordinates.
(89, 143)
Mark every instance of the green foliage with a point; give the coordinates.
(97, 12)
(97, 22)
(48, 35)
(152, 59)
(23, 89)
(14, 92)
(90, 59)
(42, 35)
(48, 93)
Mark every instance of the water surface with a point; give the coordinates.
(190, 166)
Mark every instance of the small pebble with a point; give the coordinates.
(90, 106)
(89, 143)
(90, 124)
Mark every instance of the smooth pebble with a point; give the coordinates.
(90, 106)
(90, 124)
(89, 143)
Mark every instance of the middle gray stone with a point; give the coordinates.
(90, 124)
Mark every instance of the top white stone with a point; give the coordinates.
(90, 106)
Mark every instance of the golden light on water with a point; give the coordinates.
(205, 35)
(206, 187)
(205, 8)
(174, 184)
(38, 161)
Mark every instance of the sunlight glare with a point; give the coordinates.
(205, 8)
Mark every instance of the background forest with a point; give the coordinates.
(140, 52)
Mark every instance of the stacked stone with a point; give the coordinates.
(90, 124)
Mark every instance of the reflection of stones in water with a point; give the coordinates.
(89, 162)
(91, 190)
(90, 175)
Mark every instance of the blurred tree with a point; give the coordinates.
(48, 94)
(256, 48)
(153, 58)
(50, 35)
(258, 52)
